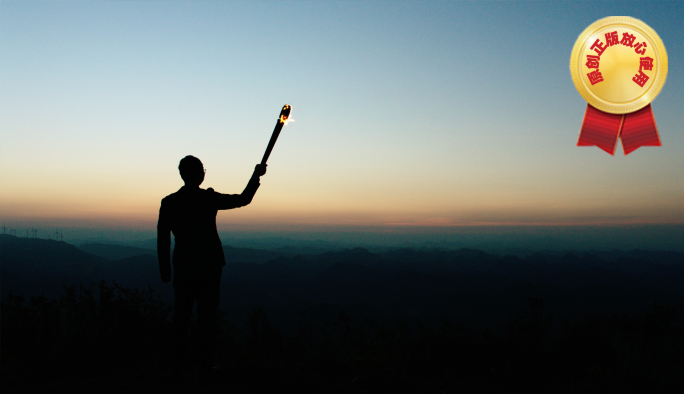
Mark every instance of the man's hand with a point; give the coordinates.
(165, 273)
(260, 169)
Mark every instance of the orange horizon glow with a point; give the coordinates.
(284, 221)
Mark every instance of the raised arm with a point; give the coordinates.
(164, 245)
(229, 201)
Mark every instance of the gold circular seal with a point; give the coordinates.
(618, 64)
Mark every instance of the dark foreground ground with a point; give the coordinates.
(111, 339)
(430, 321)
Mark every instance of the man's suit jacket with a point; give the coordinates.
(190, 213)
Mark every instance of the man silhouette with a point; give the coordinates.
(190, 213)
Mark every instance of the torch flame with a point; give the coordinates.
(285, 120)
(285, 114)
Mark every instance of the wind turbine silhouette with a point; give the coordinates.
(3, 228)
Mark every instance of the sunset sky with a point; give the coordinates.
(406, 113)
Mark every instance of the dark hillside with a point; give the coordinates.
(248, 255)
(32, 265)
(115, 252)
(466, 286)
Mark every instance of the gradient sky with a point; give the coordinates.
(406, 113)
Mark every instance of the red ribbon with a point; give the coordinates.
(603, 129)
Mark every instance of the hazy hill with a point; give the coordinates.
(279, 244)
(115, 252)
(248, 255)
(233, 255)
(467, 286)
(32, 265)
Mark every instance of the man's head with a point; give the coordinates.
(191, 170)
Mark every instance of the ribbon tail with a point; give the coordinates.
(639, 129)
(600, 129)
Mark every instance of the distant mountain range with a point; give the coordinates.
(466, 286)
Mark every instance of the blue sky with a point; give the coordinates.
(406, 113)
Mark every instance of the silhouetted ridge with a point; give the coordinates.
(27, 252)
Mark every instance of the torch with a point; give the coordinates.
(282, 119)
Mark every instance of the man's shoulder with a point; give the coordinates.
(172, 197)
(183, 193)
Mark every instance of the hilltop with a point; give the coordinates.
(465, 286)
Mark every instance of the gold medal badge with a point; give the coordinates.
(619, 65)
